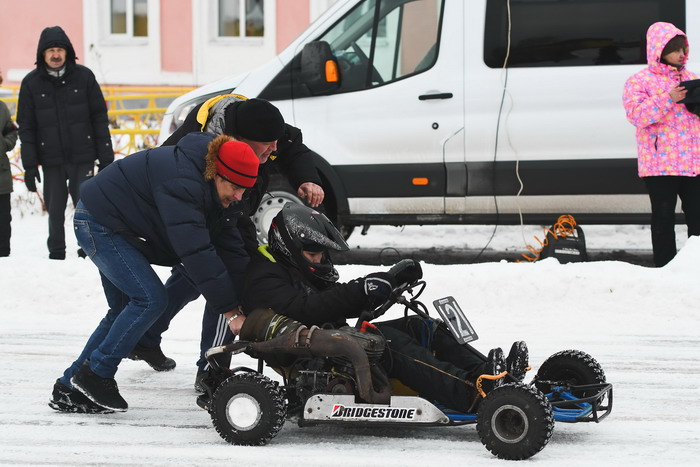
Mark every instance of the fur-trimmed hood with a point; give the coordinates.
(212, 153)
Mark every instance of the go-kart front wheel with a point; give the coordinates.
(569, 368)
(248, 409)
(515, 421)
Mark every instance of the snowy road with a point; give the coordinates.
(641, 324)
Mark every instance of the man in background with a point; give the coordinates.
(63, 123)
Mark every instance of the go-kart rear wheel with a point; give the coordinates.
(569, 368)
(514, 421)
(248, 409)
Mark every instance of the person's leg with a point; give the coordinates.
(215, 332)
(116, 301)
(442, 343)
(690, 203)
(5, 226)
(77, 174)
(180, 292)
(416, 367)
(125, 271)
(55, 198)
(663, 193)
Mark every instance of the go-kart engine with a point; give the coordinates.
(373, 344)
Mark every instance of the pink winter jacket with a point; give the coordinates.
(668, 136)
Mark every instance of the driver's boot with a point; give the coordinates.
(495, 366)
(517, 362)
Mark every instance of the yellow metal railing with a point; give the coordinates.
(135, 117)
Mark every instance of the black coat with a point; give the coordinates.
(159, 201)
(283, 289)
(62, 119)
(292, 159)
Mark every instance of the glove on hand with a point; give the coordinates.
(31, 176)
(406, 271)
(379, 285)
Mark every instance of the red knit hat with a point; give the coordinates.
(237, 163)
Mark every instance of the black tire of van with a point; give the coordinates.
(279, 193)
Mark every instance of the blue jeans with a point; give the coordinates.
(134, 293)
(182, 291)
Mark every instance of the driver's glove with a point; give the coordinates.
(406, 271)
(379, 285)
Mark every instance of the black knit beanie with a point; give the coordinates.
(254, 119)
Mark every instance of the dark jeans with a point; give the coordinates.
(59, 182)
(663, 193)
(180, 292)
(5, 228)
(134, 293)
(443, 378)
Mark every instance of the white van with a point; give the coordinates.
(451, 111)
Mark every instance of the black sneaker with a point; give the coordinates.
(102, 391)
(57, 255)
(517, 361)
(154, 357)
(495, 365)
(65, 399)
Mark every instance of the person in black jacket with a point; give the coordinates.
(278, 145)
(63, 123)
(295, 277)
(169, 205)
(8, 139)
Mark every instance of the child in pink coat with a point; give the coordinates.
(668, 136)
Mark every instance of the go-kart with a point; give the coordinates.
(337, 385)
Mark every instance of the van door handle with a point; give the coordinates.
(440, 95)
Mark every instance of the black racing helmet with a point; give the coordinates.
(298, 228)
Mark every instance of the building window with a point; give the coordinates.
(241, 18)
(129, 17)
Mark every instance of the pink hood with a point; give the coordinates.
(658, 35)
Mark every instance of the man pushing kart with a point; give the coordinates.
(292, 284)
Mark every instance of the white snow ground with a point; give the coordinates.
(641, 324)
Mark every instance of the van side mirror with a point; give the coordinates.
(319, 68)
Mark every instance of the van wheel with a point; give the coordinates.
(272, 203)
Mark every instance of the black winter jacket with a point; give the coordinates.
(292, 159)
(283, 289)
(159, 201)
(62, 119)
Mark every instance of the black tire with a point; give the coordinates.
(271, 203)
(515, 421)
(569, 368)
(248, 409)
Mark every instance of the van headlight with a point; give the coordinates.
(180, 113)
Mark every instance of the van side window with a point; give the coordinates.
(377, 42)
(573, 33)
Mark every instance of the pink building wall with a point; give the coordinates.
(292, 19)
(19, 34)
(176, 33)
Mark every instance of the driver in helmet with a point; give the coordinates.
(294, 276)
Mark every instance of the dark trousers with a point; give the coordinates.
(59, 182)
(663, 193)
(180, 292)
(5, 228)
(439, 373)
